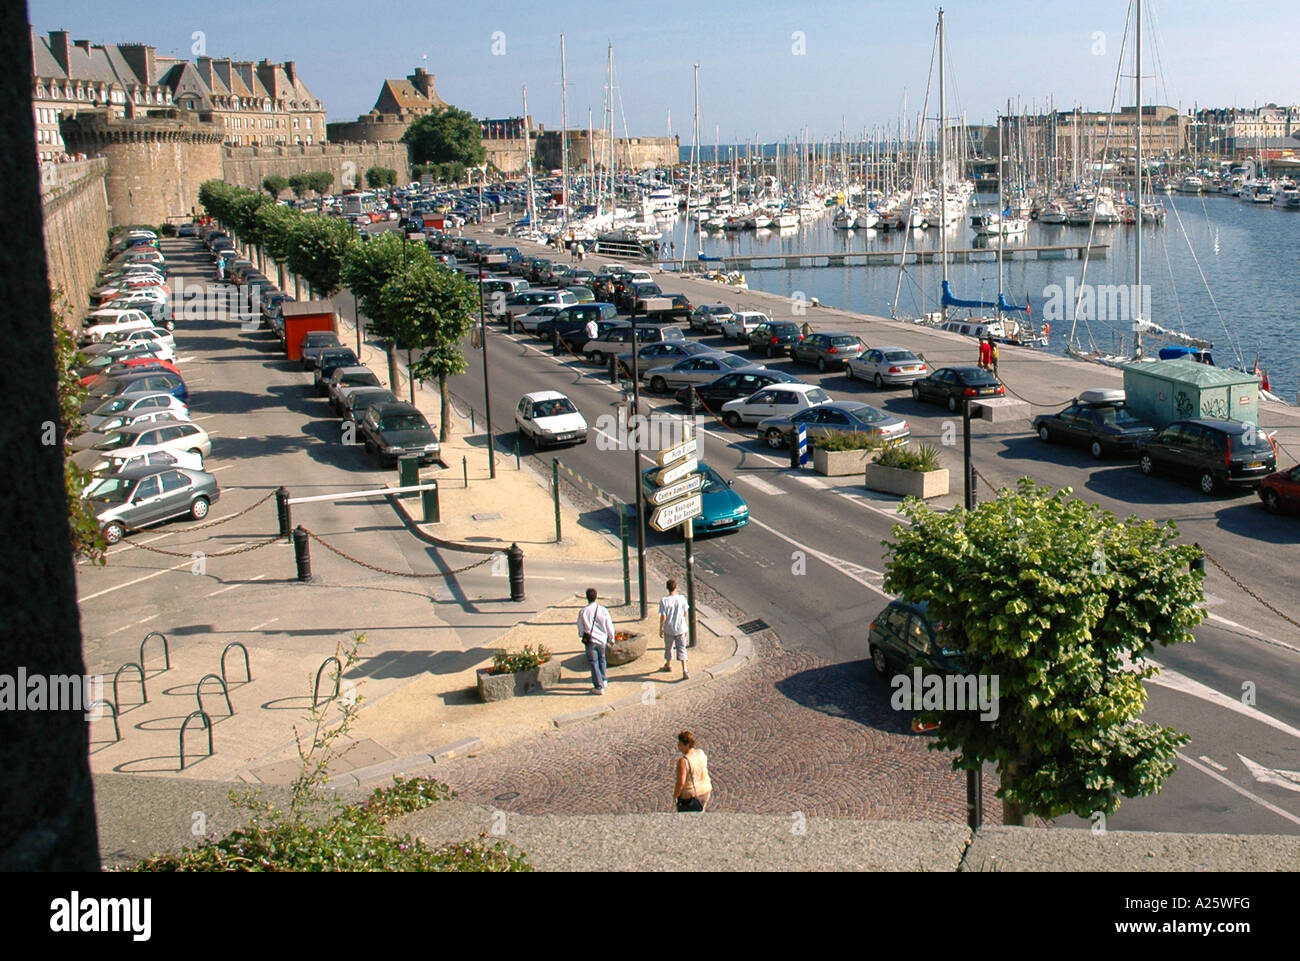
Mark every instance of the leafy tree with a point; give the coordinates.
(275, 225)
(299, 184)
(368, 268)
(320, 181)
(381, 177)
(275, 185)
(87, 538)
(318, 249)
(445, 136)
(433, 309)
(1053, 596)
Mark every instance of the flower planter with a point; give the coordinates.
(841, 463)
(907, 483)
(499, 687)
(625, 651)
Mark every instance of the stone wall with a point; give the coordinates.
(507, 155)
(632, 153)
(348, 162)
(74, 201)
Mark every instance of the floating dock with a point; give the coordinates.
(893, 258)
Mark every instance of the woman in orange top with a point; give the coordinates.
(693, 786)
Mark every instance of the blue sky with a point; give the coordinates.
(862, 60)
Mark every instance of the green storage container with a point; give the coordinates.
(1163, 391)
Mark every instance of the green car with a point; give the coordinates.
(723, 508)
(902, 636)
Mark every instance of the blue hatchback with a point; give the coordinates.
(723, 508)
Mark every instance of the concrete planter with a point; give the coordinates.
(841, 463)
(907, 483)
(499, 687)
(625, 651)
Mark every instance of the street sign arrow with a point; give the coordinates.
(674, 454)
(666, 518)
(677, 472)
(683, 487)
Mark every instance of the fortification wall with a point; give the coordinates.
(630, 152)
(74, 201)
(348, 162)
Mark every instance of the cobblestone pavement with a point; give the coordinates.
(788, 733)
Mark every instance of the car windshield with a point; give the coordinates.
(783, 328)
(895, 356)
(112, 442)
(976, 377)
(712, 481)
(870, 415)
(718, 309)
(731, 360)
(113, 489)
(397, 422)
(843, 341)
(112, 407)
(817, 396)
(554, 408)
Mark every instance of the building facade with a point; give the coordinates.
(400, 102)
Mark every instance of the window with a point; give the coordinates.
(146, 488)
(174, 480)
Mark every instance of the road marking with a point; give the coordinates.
(1184, 684)
(256, 577)
(127, 627)
(213, 470)
(847, 568)
(258, 627)
(1268, 775)
(110, 590)
(760, 484)
(1239, 789)
(134, 546)
(1214, 764)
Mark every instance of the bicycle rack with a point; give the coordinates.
(117, 730)
(315, 691)
(167, 654)
(207, 723)
(198, 692)
(144, 694)
(248, 676)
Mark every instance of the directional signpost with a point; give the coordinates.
(679, 500)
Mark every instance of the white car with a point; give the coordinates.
(157, 335)
(129, 418)
(548, 417)
(110, 460)
(118, 405)
(101, 323)
(773, 401)
(740, 323)
(178, 436)
(530, 320)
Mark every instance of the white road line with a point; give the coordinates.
(256, 577)
(1213, 763)
(127, 627)
(846, 568)
(1287, 815)
(213, 470)
(760, 484)
(1184, 684)
(133, 546)
(258, 627)
(110, 590)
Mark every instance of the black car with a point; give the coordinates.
(362, 399)
(328, 361)
(739, 383)
(903, 636)
(313, 343)
(1219, 453)
(1104, 427)
(953, 385)
(571, 318)
(394, 430)
(775, 337)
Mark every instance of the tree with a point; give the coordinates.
(275, 185)
(299, 184)
(1053, 596)
(368, 268)
(448, 135)
(87, 538)
(318, 249)
(433, 309)
(275, 225)
(381, 177)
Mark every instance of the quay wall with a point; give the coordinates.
(348, 162)
(75, 212)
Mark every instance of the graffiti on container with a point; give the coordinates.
(1215, 407)
(1183, 404)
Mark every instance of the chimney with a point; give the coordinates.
(83, 44)
(61, 48)
(140, 58)
(291, 71)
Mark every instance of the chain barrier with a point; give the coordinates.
(223, 520)
(381, 570)
(229, 553)
(1259, 600)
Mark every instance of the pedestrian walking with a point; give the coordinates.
(986, 353)
(673, 628)
(596, 628)
(672, 248)
(993, 357)
(805, 330)
(694, 789)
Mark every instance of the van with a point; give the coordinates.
(574, 317)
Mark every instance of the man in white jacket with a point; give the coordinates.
(596, 628)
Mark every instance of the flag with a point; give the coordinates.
(1029, 308)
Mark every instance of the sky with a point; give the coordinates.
(768, 70)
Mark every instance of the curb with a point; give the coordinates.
(384, 770)
(413, 527)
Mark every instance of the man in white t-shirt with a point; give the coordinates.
(596, 628)
(591, 330)
(673, 628)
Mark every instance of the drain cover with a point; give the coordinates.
(486, 517)
(508, 796)
(755, 626)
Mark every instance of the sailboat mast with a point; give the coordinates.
(1136, 300)
(943, 161)
(564, 140)
(528, 161)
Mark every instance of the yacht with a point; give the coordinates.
(1191, 184)
(1054, 213)
(865, 219)
(1287, 197)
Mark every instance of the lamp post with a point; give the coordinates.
(483, 339)
(410, 380)
(974, 779)
(636, 465)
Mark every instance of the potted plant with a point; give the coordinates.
(908, 472)
(518, 672)
(840, 453)
(625, 648)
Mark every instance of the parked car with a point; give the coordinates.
(722, 509)
(126, 418)
(741, 323)
(329, 360)
(547, 417)
(107, 409)
(953, 385)
(345, 377)
(887, 366)
(136, 384)
(1280, 491)
(525, 300)
(771, 402)
(358, 400)
(101, 323)
(98, 363)
(1219, 453)
(709, 317)
(653, 356)
(616, 340)
(313, 343)
(701, 369)
(394, 430)
(155, 335)
(1098, 420)
(132, 457)
(902, 636)
(581, 294)
(162, 435)
(843, 416)
(574, 317)
(737, 384)
(144, 496)
(529, 321)
(575, 339)
(775, 337)
(828, 351)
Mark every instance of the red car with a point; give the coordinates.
(132, 362)
(1280, 491)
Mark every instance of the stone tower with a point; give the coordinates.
(156, 162)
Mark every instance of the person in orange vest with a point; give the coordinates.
(986, 353)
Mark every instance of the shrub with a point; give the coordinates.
(167, 230)
(924, 458)
(505, 662)
(847, 440)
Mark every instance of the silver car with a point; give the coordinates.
(144, 496)
(701, 369)
(844, 416)
(887, 366)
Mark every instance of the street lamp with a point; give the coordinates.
(974, 779)
(636, 464)
(483, 339)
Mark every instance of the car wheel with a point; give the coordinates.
(821, 365)
(952, 403)
(878, 382)
(1147, 465)
(1209, 484)
(731, 419)
(658, 385)
(196, 452)
(171, 325)
(1097, 450)
(1044, 434)
(878, 661)
(199, 509)
(1271, 502)
(114, 533)
(775, 439)
(916, 392)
